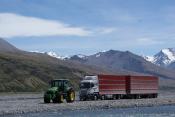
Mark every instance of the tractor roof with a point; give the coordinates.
(60, 79)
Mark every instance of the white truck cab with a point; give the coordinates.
(89, 88)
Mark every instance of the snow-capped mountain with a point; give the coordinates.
(164, 58)
(81, 56)
(52, 54)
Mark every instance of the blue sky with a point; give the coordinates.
(88, 26)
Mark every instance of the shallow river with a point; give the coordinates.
(159, 111)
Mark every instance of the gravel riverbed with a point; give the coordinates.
(24, 103)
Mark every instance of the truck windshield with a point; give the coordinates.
(85, 85)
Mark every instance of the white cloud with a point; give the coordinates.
(104, 30)
(14, 25)
(148, 41)
(108, 30)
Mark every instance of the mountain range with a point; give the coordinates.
(164, 58)
(32, 71)
(127, 61)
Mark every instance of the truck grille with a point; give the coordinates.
(83, 92)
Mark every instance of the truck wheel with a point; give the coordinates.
(82, 99)
(70, 96)
(94, 97)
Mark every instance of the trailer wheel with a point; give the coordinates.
(103, 97)
(114, 97)
(138, 96)
(154, 96)
(119, 96)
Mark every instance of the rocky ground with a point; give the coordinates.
(23, 103)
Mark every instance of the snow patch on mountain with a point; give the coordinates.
(164, 58)
(98, 55)
(55, 55)
(52, 54)
(149, 58)
(81, 56)
(170, 53)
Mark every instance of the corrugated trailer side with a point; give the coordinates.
(112, 84)
(143, 85)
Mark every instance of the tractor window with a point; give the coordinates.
(56, 83)
(67, 84)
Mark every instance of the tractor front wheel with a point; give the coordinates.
(70, 96)
(47, 98)
(58, 99)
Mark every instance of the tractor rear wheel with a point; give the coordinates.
(70, 96)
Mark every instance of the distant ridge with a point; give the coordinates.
(7, 47)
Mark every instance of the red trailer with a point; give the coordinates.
(118, 86)
(145, 86)
(110, 84)
(128, 86)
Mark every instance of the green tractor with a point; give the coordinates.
(60, 89)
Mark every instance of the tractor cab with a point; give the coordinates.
(62, 84)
